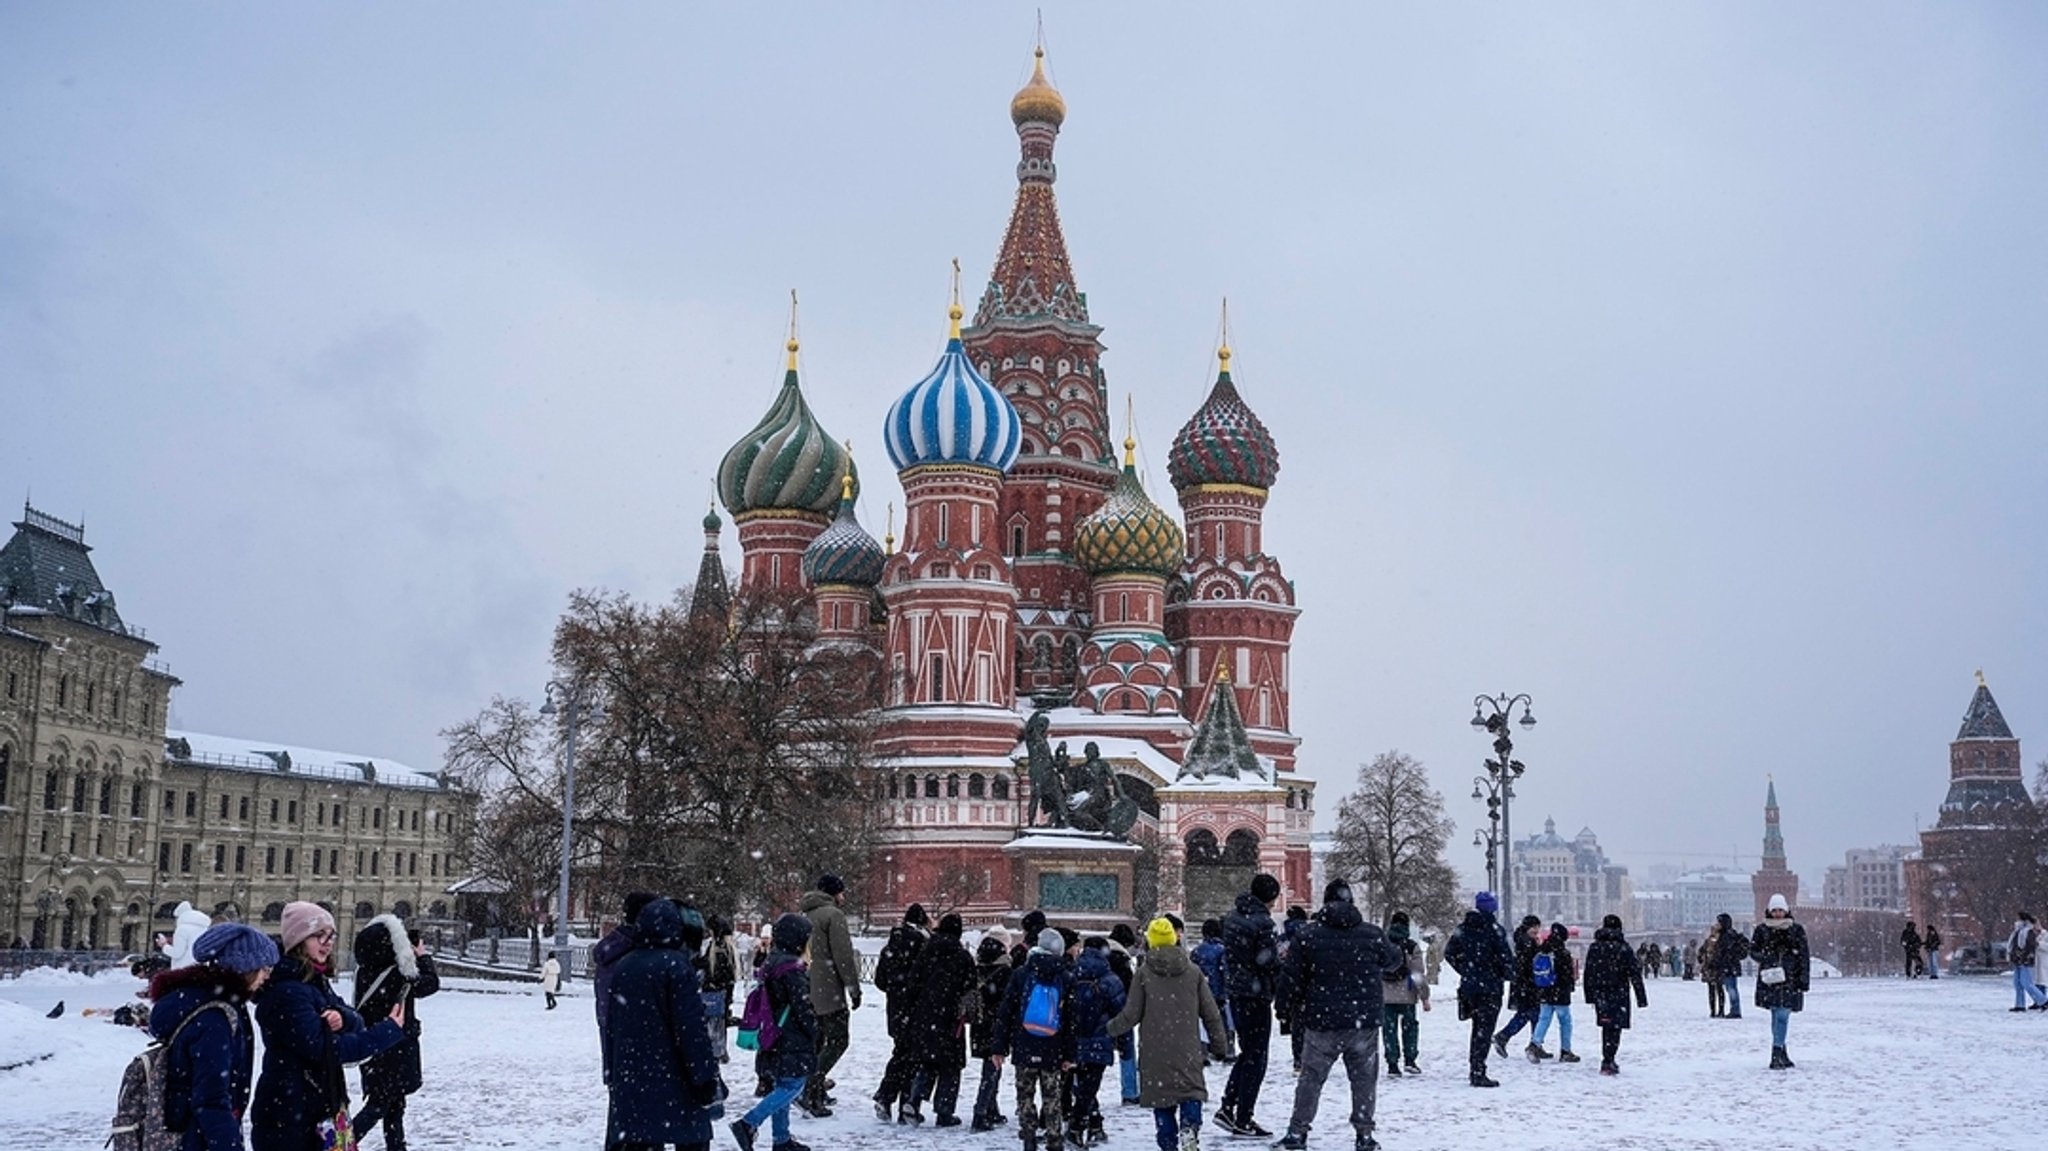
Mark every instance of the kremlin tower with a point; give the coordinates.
(1037, 580)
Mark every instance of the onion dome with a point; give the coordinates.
(1129, 532)
(844, 552)
(1038, 99)
(712, 523)
(1223, 442)
(787, 463)
(953, 416)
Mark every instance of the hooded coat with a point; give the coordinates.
(1167, 1002)
(1521, 988)
(1025, 1049)
(1334, 973)
(604, 959)
(1479, 953)
(991, 980)
(896, 972)
(207, 1073)
(301, 1082)
(835, 969)
(1611, 974)
(1782, 943)
(1731, 949)
(388, 973)
(941, 977)
(192, 923)
(790, 992)
(1251, 951)
(664, 1071)
(1096, 998)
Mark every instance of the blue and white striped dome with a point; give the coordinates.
(953, 416)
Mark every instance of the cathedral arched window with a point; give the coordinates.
(1001, 787)
(1241, 847)
(977, 786)
(892, 787)
(1202, 848)
(931, 787)
(1016, 540)
(953, 786)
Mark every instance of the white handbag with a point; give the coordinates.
(1771, 976)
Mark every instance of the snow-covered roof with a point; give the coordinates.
(1057, 840)
(242, 754)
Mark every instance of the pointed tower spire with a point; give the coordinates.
(1221, 747)
(1033, 277)
(713, 598)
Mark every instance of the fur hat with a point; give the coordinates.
(1000, 934)
(1486, 902)
(302, 920)
(1052, 942)
(991, 949)
(831, 884)
(235, 946)
(383, 942)
(1778, 903)
(1160, 933)
(1265, 888)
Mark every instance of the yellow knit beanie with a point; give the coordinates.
(1160, 933)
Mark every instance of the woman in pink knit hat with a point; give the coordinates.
(308, 1034)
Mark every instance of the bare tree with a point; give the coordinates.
(1391, 837)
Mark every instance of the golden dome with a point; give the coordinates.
(1038, 100)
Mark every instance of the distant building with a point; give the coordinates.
(1702, 895)
(1871, 878)
(1774, 877)
(1567, 880)
(1986, 788)
(107, 820)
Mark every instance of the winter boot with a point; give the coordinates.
(946, 1121)
(883, 1112)
(1411, 1068)
(1787, 1057)
(1030, 1137)
(981, 1123)
(1096, 1135)
(1609, 1067)
(1567, 1057)
(1536, 1054)
(1248, 1126)
(1228, 1122)
(1778, 1060)
(1480, 1079)
(1294, 1141)
(1393, 1069)
(1366, 1143)
(910, 1116)
(1190, 1139)
(792, 1145)
(743, 1134)
(1500, 1046)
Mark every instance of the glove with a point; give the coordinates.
(856, 999)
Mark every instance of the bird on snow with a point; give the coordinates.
(56, 1011)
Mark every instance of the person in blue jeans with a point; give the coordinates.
(1169, 1005)
(1729, 952)
(792, 1059)
(1554, 977)
(2023, 947)
(1783, 969)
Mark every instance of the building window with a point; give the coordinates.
(288, 853)
(953, 786)
(6, 754)
(412, 863)
(433, 865)
(1017, 541)
(242, 810)
(220, 858)
(185, 859)
(170, 802)
(13, 686)
(270, 861)
(106, 797)
(377, 819)
(291, 812)
(359, 861)
(223, 807)
(191, 805)
(977, 787)
(273, 811)
(320, 815)
(50, 791)
(374, 861)
(163, 858)
(1000, 789)
(78, 794)
(313, 862)
(135, 794)
(91, 691)
(938, 684)
(63, 691)
(241, 860)
(334, 861)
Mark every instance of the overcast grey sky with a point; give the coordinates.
(1679, 365)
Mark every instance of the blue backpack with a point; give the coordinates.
(1042, 1009)
(1544, 970)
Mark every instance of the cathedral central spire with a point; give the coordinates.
(1032, 277)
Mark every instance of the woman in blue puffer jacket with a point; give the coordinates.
(308, 1034)
(200, 1011)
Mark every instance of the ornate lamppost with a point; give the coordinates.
(1490, 714)
(568, 701)
(1489, 837)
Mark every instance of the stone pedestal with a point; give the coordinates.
(1079, 879)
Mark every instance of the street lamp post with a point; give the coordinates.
(1490, 714)
(1489, 838)
(566, 699)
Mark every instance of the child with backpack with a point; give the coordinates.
(1035, 1031)
(1208, 955)
(189, 1090)
(1168, 1005)
(780, 1025)
(1097, 997)
(1554, 976)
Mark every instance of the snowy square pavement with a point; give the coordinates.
(1883, 1064)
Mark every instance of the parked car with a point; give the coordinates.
(1976, 959)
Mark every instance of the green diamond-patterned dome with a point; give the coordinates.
(787, 463)
(1130, 533)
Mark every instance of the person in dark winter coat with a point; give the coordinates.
(1910, 940)
(1553, 976)
(1784, 970)
(1612, 972)
(1331, 982)
(1484, 960)
(1208, 955)
(1522, 998)
(664, 1072)
(1097, 996)
(895, 978)
(1123, 963)
(605, 956)
(1251, 970)
(308, 1035)
(991, 981)
(719, 963)
(1038, 1056)
(1400, 993)
(1710, 973)
(1296, 923)
(391, 969)
(1730, 949)
(935, 1026)
(1932, 942)
(835, 985)
(212, 1060)
(791, 1062)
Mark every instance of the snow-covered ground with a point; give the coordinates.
(1883, 1064)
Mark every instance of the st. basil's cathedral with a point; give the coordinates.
(1036, 576)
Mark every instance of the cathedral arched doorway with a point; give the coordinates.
(1216, 872)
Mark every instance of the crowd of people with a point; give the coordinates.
(1055, 1007)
